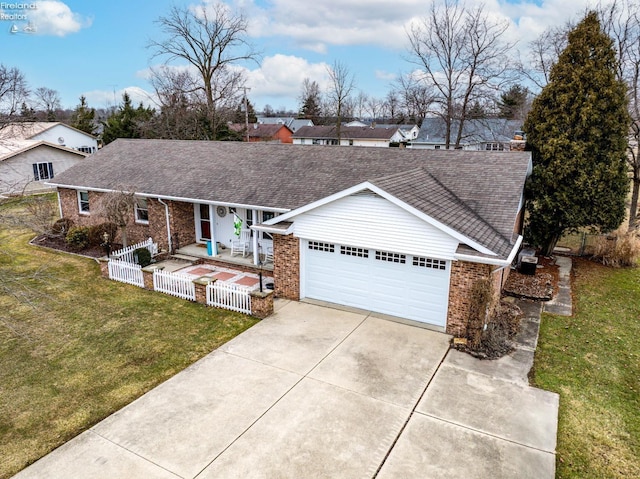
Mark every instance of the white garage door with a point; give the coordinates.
(412, 287)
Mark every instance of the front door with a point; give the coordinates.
(204, 223)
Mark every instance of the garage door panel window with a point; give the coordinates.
(429, 263)
(319, 246)
(391, 257)
(352, 251)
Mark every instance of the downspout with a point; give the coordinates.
(166, 213)
(60, 202)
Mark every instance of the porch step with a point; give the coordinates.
(185, 257)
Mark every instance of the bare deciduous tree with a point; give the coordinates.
(13, 91)
(210, 38)
(415, 97)
(463, 55)
(48, 101)
(342, 83)
(117, 207)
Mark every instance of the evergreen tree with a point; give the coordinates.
(513, 103)
(239, 116)
(577, 132)
(127, 121)
(83, 117)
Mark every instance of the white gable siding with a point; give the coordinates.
(71, 138)
(370, 221)
(16, 172)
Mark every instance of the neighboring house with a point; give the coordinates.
(349, 136)
(52, 132)
(290, 122)
(404, 134)
(277, 133)
(32, 153)
(488, 134)
(406, 233)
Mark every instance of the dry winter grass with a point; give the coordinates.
(593, 360)
(75, 347)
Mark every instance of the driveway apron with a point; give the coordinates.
(318, 392)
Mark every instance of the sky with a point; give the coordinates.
(98, 48)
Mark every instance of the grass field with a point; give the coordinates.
(593, 361)
(75, 347)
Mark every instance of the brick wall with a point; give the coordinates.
(183, 225)
(286, 266)
(181, 219)
(463, 276)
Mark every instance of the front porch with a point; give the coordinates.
(197, 250)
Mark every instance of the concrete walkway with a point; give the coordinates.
(315, 392)
(561, 304)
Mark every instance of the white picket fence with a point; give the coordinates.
(125, 272)
(126, 254)
(175, 284)
(229, 296)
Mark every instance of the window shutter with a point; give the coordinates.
(35, 172)
(50, 170)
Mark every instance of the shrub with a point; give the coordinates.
(96, 233)
(78, 237)
(61, 227)
(618, 249)
(142, 257)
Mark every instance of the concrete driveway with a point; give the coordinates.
(316, 392)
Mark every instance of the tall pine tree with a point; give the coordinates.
(83, 117)
(577, 130)
(126, 121)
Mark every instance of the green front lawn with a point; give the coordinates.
(75, 347)
(593, 361)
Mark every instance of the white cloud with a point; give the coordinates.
(386, 76)
(55, 18)
(320, 25)
(282, 75)
(110, 98)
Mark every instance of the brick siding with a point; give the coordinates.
(463, 276)
(286, 266)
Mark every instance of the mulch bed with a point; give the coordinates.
(498, 339)
(60, 245)
(540, 287)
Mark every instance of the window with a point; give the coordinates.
(391, 257)
(319, 246)
(83, 202)
(142, 211)
(332, 142)
(350, 142)
(437, 147)
(266, 216)
(429, 263)
(42, 171)
(494, 147)
(87, 149)
(351, 251)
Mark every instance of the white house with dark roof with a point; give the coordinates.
(488, 134)
(34, 152)
(395, 231)
(349, 136)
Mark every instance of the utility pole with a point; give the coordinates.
(246, 111)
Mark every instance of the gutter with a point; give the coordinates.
(503, 263)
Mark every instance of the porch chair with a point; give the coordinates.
(268, 255)
(241, 244)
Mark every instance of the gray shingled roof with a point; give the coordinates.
(432, 131)
(329, 132)
(474, 192)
